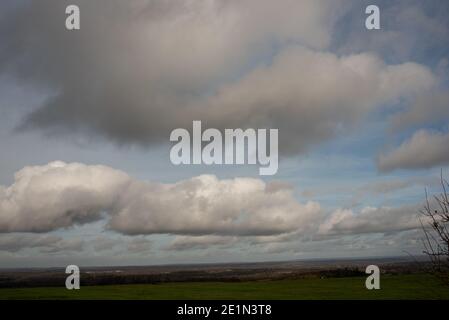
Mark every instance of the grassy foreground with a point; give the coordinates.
(392, 287)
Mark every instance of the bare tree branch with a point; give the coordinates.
(436, 231)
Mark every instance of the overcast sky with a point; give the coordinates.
(85, 119)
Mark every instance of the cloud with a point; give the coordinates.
(139, 245)
(105, 244)
(52, 244)
(392, 185)
(427, 109)
(424, 149)
(45, 243)
(207, 205)
(119, 244)
(135, 72)
(60, 195)
(371, 220)
(182, 243)
(410, 30)
(312, 96)
(132, 67)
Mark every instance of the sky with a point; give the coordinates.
(86, 116)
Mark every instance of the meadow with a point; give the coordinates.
(412, 286)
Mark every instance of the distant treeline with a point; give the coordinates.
(57, 279)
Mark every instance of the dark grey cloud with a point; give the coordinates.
(133, 67)
(137, 70)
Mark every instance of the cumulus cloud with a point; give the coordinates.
(203, 212)
(426, 109)
(425, 149)
(371, 220)
(311, 95)
(207, 205)
(136, 71)
(133, 66)
(139, 69)
(58, 195)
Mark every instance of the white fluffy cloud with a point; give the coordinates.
(203, 211)
(57, 195)
(424, 149)
(207, 205)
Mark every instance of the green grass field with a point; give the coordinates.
(392, 287)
